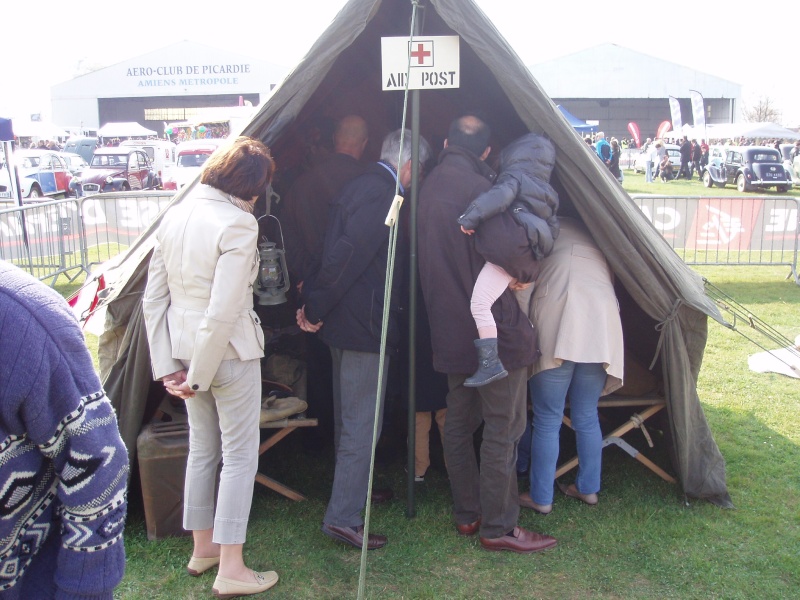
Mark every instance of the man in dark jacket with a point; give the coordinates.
(344, 302)
(686, 159)
(485, 499)
(305, 216)
(304, 222)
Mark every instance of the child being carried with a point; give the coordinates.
(522, 188)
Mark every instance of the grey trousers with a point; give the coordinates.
(355, 384)
(223, 424)
(491, 491)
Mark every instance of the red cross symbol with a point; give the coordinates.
(420, 54)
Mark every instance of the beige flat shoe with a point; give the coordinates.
(198, 566)
(571, 491)
(542, 509)
(231, 588)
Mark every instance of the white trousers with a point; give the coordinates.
(223, 425)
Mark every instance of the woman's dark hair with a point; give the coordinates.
(242, 168)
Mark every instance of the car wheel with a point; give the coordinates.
(707, 181)
(35, 192)
(126, 187)
(741, 183)
(782, 189)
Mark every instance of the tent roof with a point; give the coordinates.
(664, 301)
(38, 129)
(751, 130)
(575, 122)
(111, 130)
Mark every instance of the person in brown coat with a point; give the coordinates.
(485, 498)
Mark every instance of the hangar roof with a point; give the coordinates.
(184, 68)
(612, 71)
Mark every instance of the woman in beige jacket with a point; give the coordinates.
(576, 313)
(206, 343)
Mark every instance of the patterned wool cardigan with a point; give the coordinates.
(63, 466)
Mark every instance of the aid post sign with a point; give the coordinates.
(434, 62)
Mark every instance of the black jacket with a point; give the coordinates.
(346, 294)
(523, 187)
(449, 265)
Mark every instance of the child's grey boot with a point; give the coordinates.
(489, 366)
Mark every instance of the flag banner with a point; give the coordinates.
(6, 130)
(663, 129)
(633, 128)
(675, 112)
(698, 109)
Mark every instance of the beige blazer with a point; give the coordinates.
(574, 306)
(198, 304)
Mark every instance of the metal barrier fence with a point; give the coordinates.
(69, 236)
(704, 230)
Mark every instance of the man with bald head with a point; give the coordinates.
(306, 204)
(485, 497)
(304, 221)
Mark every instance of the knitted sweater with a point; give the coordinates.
(63, 466)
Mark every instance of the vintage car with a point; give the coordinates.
(640, 158)
(191, 158)
(118, 169)
(42, 174)
(749, 168)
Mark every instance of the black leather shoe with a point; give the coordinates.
(354, 536)
(381, 495)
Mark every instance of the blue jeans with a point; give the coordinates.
(584, 383)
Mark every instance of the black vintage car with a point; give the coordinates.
(749, 168)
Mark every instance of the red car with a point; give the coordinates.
(117, 169)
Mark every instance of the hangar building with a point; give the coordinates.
(608, 84)
(614, 85)
(164, 86)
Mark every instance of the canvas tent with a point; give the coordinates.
(575, 122)
(664, 305)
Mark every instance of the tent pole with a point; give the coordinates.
(412, 297)
(412, 303)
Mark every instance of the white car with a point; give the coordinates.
(191, 156)
(640, 158)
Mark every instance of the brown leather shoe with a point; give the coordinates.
(381, 495)
(571, 491)
(469, 528)
(354, 536)
(520, 541)
(542, 509)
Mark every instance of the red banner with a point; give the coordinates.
(663, 129)
(633, 128)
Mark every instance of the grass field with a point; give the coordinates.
(644, 540)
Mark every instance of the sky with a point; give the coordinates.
(46, 42)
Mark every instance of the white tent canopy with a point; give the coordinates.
(39, 129)
(751, 130)
(111, 130)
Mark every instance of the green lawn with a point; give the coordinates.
(644, 540)
(634, 183)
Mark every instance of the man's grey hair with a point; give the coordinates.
(391, 148)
